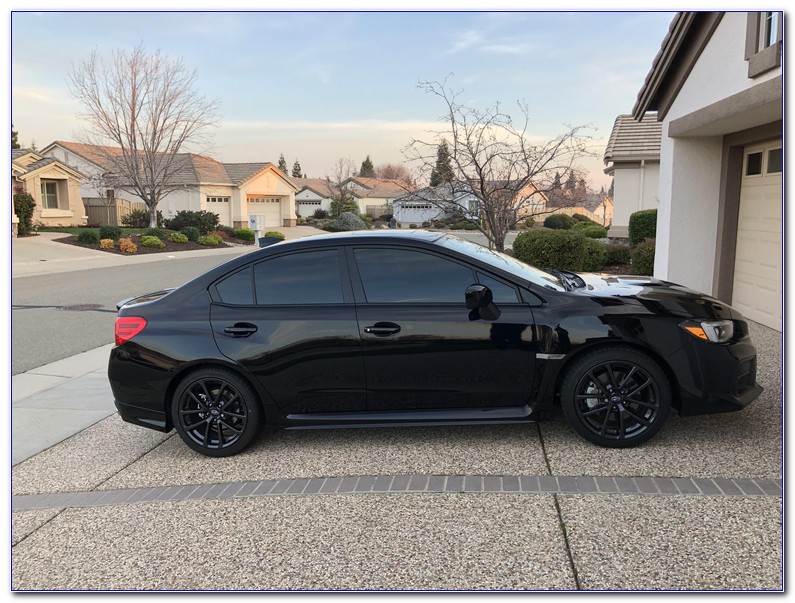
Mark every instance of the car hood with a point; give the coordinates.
(657, 294)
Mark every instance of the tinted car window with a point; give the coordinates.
(503, 294)
(404, 276)
(237, 288)
(299, 278)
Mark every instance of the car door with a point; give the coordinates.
(290, 321)
(421, 350)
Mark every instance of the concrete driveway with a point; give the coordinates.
(475, 508)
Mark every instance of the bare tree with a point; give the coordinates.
(499, 164)
(395, 171)
(105, 185)
(147, 106)
(341, 200)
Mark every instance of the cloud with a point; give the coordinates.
(521, 48)
(466, 40)
(358, 126)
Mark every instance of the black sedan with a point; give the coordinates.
(419, 328)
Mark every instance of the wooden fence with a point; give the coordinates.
(99, 214)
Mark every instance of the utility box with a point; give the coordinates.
(257, 224)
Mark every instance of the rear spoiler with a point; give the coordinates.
(144, 298)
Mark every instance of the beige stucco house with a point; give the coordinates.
(375, 193)
(54, 186)
(716, 86)
(313, 194)
(632, 157)
(234, 191)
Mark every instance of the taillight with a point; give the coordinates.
(128, 327)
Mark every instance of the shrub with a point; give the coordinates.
(160, 233)
(24, 204)
(221, 234)
(643, 257)
(273, 233)
(107, 243)
(561, 250)
(204, 221)
(595, 255)
(210, 240)
(139, 218)
(529, 222)
(88, 237)
(559, 222)
(110, 232)
(228, 230)
(246, 234)
(617, 255)
(127, 246)
(457, 226)
(346, 204)
(580, 226)
(177, 237)
(320, 214)
(151, 241)
(642, 225)
(594, 231)
(192, 233)
(412, 226)
(426, 224)
(582, 218)
(385, 217)
(470, 226)
(349, 221)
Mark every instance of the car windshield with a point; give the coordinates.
(501, 261)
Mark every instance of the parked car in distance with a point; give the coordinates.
(419, 328)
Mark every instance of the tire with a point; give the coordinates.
(616, 397)
(215, 412)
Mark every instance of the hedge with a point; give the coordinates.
(617, 255)
(24, 204)
(642, 225)
(210, 240)
(559, 222)
(88, 237)
(563, 250)
(594, 231)
(110, 232)
(204, 221)
(246, 234)
(191, 232)
(643, 257)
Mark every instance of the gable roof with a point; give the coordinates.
(317, 185)
(633, 140)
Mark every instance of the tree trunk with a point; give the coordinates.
(152, 213)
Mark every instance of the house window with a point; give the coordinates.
(753, 165)
(218, 199)
(768, 30)
(774, 161)
(49, 194)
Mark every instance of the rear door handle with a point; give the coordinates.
(382, 329)
(241, 329)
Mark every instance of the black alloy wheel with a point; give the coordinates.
(215, 412)
(616, 397)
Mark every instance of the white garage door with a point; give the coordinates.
(757, 269)
(268, 207)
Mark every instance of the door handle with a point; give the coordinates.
(382, 329)
(241, 329)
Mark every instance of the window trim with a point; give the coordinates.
(45, 196)
(769, 57)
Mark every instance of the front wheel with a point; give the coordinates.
(215, 412)
(617, 398)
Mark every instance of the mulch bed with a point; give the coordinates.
(169, 248)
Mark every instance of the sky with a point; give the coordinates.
(318, 86)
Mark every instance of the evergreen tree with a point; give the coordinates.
(367, 170)
(556, 182)
(282, 163)
(443, 170)
(297, 170)
(571, 182)
(14, 138)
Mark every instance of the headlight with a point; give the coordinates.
(716, 331)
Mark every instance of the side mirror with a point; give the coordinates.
(478, 296)
(480, 302)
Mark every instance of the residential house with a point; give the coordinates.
(234, 191)
(375, 195)
(53, 185)
(431, 203)
(716, 85)
(313, 194)
(596, 206)
(632, 158)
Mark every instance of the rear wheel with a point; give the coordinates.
(215, 412)
(616, 397)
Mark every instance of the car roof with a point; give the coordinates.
(374, 235)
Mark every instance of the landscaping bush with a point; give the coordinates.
(160, 233)
(457, 226)
(88, 237)
(385, 217)
(470, 226)
(347, 221)
(24, 204)
(139, 218)
(426, 224)
(152, 241)
(228, 230)
(580, 226)
(642, 225)
(582, 218)
(127, 246)
(412, 226)
(210, 240)
(559, 222)
(529, 223)
(221, 234)
(320, 214)
(273, 233)
(204, 221)
(643, 257)
(110, 232)
(617, 255)
(594, 231)
(107, 243)
(561, 250)
(177, 237)
(192, 233)
(246, 234)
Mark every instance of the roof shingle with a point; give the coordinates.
(634, 140)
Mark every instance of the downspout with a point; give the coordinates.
(642, 178)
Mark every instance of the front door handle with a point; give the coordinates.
(383, 329)
(241, 329)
